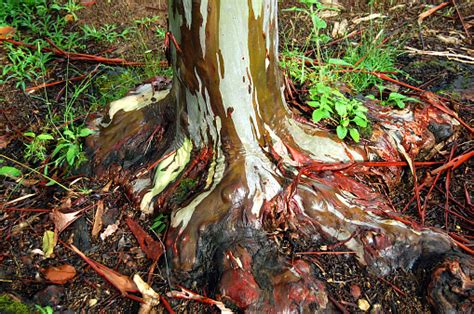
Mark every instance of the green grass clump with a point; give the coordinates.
(10, 306)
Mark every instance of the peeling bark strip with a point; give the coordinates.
(262, 179)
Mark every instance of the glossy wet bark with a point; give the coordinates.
(226, 99)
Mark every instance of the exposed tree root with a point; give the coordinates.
(221, 239)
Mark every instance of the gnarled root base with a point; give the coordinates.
(222, 237)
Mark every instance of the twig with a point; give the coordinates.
(37, 172)
(397, 290)
(76, 56)
(461, 19)
(33, 89)
(429, 12)
(451, 56)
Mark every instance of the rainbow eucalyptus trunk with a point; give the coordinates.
(258, 171)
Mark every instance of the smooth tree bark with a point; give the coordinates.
(259, 171)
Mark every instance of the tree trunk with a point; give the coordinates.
(260, 170)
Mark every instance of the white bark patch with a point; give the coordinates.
(321, 148)
(188, 13)
(167, 171)
(202, 29)
(242, 98)
(183, 215)
(138, 99)
(257, 6)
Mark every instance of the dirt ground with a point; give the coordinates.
(25, 210)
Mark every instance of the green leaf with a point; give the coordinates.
(86, 132)
(341, 131)
(9, 171)
(69, 133)
(29, 134)
(48, 243)
(341, 108)
(318, 22)
(345, 122)
(319, 114)
(313, 103)
(45, 137)
(59, 148)
(354, 134)
(338, 62)
(370, 97)
(71, 154)
(360, 121)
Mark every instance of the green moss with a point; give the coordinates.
(10, 306)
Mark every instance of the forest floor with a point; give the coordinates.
(42, 131)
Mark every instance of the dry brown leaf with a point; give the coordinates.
(149, 246)
(60, 274)
(98, 219)
(6, 32)
(123, 283)
(63, 220)
(4, 141)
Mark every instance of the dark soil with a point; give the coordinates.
(23, 221)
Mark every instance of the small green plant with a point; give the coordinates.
(147, 21)
(69, 147)
(394, 99)
(347, 114)
(159, 224)
(70, 7)
(25, 65)
(44, 309)
(107, 33)
(37, 148)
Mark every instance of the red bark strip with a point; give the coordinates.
(152, 248)
(325, 253)
(166, 305)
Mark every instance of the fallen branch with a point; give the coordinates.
(75, 56)
(451, 56)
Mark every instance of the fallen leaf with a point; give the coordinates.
(150, 297)
(48, 243)
(6, 32)
(98, 219)
(63, 220)
(363, 304)
(60, 274)
(149, 246)
(4, 141)
(110, 230)
(123, 283)
(87, 3)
